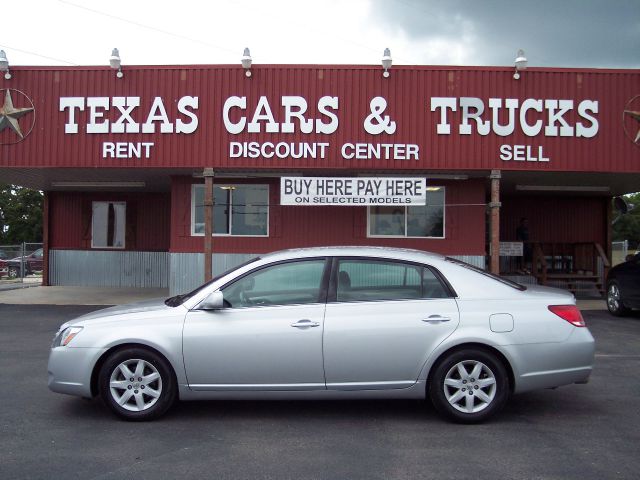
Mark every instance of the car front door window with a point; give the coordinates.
(291, 283)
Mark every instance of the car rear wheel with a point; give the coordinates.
(614, 300)
(469, 386)
(137, 384)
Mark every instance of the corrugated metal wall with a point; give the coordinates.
(408, 92)
(187, 269)
(109, 268)
(180, 272)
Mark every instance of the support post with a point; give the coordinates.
(45, 240)
(495, 221)
(208, 223)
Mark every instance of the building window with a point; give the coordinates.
(108, 222)
(238, 210)
(425, 221)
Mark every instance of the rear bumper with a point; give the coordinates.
(550, 365)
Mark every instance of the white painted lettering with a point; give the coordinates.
(97, 107)
(183, 104)
(125, 122)
(73, 104)
(157, 113)
(443, 103)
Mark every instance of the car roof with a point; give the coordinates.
(354, 251)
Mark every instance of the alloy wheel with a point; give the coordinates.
(135, 385)
(470, 386)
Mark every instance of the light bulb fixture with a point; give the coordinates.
(386, 62)
(116, 63)
(246, 62)
(4, 65)
(521, 64)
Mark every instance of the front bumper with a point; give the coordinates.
(70, 369)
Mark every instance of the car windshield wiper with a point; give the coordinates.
(174, 301)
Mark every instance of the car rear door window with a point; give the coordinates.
(373, 280)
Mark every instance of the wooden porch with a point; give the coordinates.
(580, 268)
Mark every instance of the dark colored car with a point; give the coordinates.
(4, 267)
(31, 263)
(623, 286)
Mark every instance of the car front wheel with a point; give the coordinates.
(469, 386)
(614, 300)
(137, 384)
(14, 272)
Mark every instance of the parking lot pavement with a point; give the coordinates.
(581, 431)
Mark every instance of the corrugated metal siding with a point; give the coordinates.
(109, 269)
(479, 261)
(408, 91)
(187, 269)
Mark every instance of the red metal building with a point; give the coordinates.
(122, 162)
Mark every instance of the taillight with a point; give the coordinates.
(570, 313)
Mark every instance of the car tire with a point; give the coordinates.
(14, 272)
(147, 391)
(614, 300)
(469, 386)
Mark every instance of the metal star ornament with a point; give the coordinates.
(9, 115)
(635, 116)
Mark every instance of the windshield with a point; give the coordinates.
(502, 280)
(180, 299)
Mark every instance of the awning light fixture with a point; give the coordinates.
(386, 62)
(246, 62)
(4, 65)
(521, 64)
(116, 63)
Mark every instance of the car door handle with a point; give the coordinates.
(436, 319)
(305, 323)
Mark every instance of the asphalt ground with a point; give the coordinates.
(581, 431)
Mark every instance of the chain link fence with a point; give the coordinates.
(21, 263)
(619, 251)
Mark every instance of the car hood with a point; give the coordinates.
(117, 312)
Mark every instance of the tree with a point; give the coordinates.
(20, 215)
(627, 227)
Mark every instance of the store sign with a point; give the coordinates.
(349, 191)
(260, 127)
(117, 115)
(511, 249)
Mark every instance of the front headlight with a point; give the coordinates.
(65, 336)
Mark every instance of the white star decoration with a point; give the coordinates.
(9, 115)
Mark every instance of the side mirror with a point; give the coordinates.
(215, 301)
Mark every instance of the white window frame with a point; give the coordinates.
(124, 237)
(193, 210)
(444, 220)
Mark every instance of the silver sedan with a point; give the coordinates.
(330, 323)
